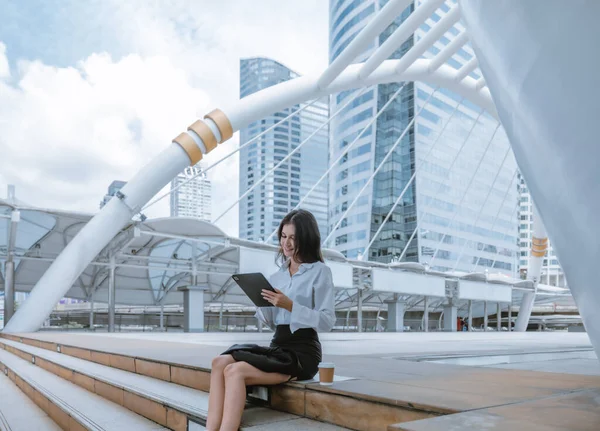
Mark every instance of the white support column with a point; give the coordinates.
(485, 316)
(470, 315)
(359, 309)
(510, 317)
(498, 317)
(9, 266)
(92, 311)
(426, 314)
(450, 316)
(193, 308)
(541, 115)
(221, 314)
(539, 245)
(396, 309)
(111, 295)
(162, 316)
(9, 290)
(194, 263)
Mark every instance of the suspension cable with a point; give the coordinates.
(348, 148)
(441, 184)
(462, 199)
(381, 164)
(296, 112)
(483, 205)
(294, 151)
(414, 175)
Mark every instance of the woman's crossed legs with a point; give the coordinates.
(227, 398)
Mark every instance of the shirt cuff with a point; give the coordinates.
(303, 317)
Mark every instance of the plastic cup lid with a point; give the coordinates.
(326, 365)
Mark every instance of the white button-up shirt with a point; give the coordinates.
(311, 290)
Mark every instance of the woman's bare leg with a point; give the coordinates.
(217, 391)
(237, 377)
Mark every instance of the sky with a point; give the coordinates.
(91, 91)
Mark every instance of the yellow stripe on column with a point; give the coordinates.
(539, 246)
(186, 142)
(222, 122)
(207, 136)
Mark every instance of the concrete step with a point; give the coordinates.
(351, 403)
(174, 406)
(18, 412)
(70, 406)
(168, 404)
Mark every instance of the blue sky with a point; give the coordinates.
(94, 89)
(58, 32)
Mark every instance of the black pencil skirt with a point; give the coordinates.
(297, 355)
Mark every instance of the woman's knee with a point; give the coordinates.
(222, 361)
(235, 371)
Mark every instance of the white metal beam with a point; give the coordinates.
(402, 33)
(466, 69)
(429, 39)
(480, 84)
(444, 55)
(361, 42)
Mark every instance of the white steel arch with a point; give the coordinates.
(201, 138)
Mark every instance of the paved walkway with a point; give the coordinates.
(401, 369)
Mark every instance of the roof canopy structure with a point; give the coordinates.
(153, 258)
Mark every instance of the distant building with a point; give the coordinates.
(552, 273)
(261, 211)
(192, 199)
(114, 187)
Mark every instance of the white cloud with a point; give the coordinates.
(67, 132)
(4, 68)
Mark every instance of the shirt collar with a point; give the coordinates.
(302, 268)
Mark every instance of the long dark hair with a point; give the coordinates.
(307, 244)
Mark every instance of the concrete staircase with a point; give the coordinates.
(69, 388)
(18, 412)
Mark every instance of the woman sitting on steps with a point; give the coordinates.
(302, 305)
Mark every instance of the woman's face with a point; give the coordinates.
(288, 240)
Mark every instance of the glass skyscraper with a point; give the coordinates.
(262, 210)
(463, 211)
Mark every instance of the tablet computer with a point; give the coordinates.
(252, 284)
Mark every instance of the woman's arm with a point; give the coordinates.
(322, 316)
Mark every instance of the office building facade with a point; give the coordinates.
(191, 194)
(448, 221)
(261, 211)
(552, 273)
